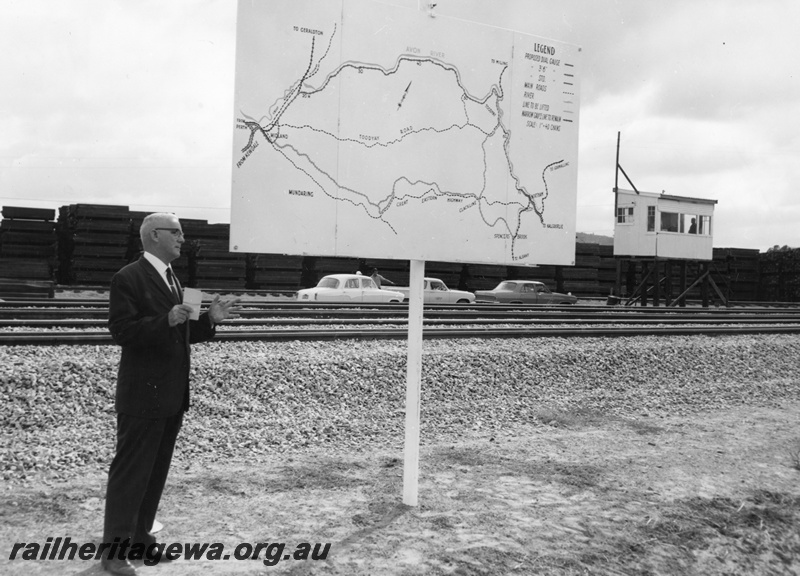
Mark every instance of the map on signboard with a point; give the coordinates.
(366, 130)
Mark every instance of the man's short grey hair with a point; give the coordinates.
(151, 222)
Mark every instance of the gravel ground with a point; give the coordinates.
(252, 400)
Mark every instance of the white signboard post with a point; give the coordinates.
(370, 131)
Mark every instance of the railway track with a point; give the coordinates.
(83, 322)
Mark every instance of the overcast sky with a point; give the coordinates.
(131, 103)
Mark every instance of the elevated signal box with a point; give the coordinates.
(652, 225)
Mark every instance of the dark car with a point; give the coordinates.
(523, 292)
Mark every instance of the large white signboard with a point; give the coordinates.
(366, 130)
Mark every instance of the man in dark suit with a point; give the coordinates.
(149, 321)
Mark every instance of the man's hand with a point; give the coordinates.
(220, 310)
(179, 314)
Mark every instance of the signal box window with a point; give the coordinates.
(694, 224)
(651, 218)
(669, 221)
(625, 215)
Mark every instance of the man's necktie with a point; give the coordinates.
(172, 285)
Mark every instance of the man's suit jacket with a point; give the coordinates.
(153, 377)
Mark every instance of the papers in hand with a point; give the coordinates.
(193, 298)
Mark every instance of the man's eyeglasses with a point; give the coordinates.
(177, 232)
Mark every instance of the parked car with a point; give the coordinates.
(437, 292)
(523, 292)
(348, 288)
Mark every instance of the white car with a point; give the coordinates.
(437, 292)
(348, 288)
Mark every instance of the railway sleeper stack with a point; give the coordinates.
(275, 272)
(93, 243)
(484, 276)
(606, 269)
(740, 269)
(779, 275)
(28, 252)
(211, 263)
(583, 278)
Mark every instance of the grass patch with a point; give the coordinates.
(692, 523)
(323, 474)
(571, 419)
(574, 475)
(794, 454)
(763, 526)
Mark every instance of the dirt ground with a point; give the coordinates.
(711, 494)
